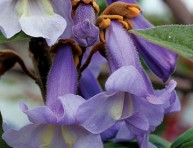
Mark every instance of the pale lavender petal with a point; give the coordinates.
(174, 104)
(154, 113)
(124, 134)
(41, 21)
(9, 24)
(70, 104)
(137, 123)
(88, 85)
(127, 79)
(62, 78)
(41, 114)
(64, 8)
(160, 60)
(103, 108)
(165, 96)
(28, 136)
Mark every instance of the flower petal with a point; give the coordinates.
(102, 108)
(119, 47)
(62, 78)
(41, 21)
(143, 141)
(88, 85)
(111, 132)
(154, 113)
(85, 33)
(124, 134)
(9, 24)
(127, 79)
(77, 137)
(174, 105)
(171, 103)
(165, 96)
(137, 123)
(160, 60)
(41, 114)
(70, 104)
(28, 136)
(64, 8)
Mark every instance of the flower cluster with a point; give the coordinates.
(77, 112)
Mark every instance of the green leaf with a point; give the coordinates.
(159, 142)
(184, 141)
(102, 5)
(187, 145)
(178, 38)
(18, 37)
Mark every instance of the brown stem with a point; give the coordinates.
(24, 68)
(98, 47)
(41, 60)
(8, 58)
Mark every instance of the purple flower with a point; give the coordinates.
(160, 60)
(129, 95)
(55, 124)
(84, 31)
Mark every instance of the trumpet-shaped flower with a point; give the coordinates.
(55, 124)
(37, 18)
(160, 60)
(129, 95)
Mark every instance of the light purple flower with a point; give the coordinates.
(55, 124)
(37, 18)
(129, 95)
(84, 31)
(160, 60)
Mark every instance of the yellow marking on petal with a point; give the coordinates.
(68, 136)
(22, 8)
(48, 7)
(116, 110)
(47, 136)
